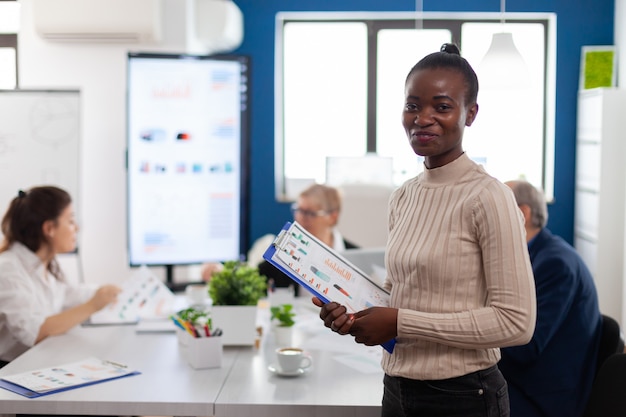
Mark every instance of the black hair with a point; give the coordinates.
(27, 212)
(449, 57)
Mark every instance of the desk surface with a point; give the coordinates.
(166, 386)
(345, 379)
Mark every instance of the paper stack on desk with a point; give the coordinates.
(64, 377)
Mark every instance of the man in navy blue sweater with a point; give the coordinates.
(552, 375)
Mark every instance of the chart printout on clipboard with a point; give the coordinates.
(324, 272)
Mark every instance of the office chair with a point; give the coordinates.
(610, 341)
(607, 397)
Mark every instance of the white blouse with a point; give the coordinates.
(29, 295)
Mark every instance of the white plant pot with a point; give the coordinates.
(283, 336)
(202, 352)
(238, 324)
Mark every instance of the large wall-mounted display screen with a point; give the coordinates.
(187, 146)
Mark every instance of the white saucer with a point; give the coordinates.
(275, 369)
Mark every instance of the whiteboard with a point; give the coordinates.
(39, 142)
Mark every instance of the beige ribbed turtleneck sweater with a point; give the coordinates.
(458, 271)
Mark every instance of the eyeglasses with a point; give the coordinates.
(307, 213)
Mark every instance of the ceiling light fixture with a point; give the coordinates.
(503, 65)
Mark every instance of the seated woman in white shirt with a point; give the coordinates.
(35, 300)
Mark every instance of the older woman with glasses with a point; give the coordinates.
(317, 210)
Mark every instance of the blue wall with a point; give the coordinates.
(579, 22)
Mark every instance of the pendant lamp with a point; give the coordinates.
(503, 66)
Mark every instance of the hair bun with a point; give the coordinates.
(450, 48)
(21, 194)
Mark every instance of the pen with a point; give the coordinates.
(178, 323)
(189, 328)
(201, 330)
(194, 331)
(119, 365)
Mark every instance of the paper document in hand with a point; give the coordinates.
(142, 296)
(323, 271)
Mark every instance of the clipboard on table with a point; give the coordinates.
(324, 272)
(46, 381)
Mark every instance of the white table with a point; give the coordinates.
(167, 384)
(333, 387)
(242, 387)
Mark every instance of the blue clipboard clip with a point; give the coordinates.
(389, 345)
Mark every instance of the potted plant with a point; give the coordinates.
(282, 316)
(235, 292)
(237, 284)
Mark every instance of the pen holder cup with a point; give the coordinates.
(203, 352)
(183, 336)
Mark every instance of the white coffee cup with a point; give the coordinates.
(291, 359)
(197, 294)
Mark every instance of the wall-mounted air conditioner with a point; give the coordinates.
(98, 20)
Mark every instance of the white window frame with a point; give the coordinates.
(285, 193)
(9, 28)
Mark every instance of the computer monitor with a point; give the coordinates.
(187, 138)
(367, 169)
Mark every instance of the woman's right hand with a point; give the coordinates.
(104, 296)
(335, 316)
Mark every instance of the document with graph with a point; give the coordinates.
(324, 272)
(64, 377)
(143, 296)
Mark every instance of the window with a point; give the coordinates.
(322, 122)
(9, 26)
(340, 83)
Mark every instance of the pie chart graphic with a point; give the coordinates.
(53, 122)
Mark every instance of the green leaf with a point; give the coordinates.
(237, 284)
(283, 313)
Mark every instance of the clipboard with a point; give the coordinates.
(46, 381)
(324, 272)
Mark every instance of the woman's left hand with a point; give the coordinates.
(375, 325)
(335, 316)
